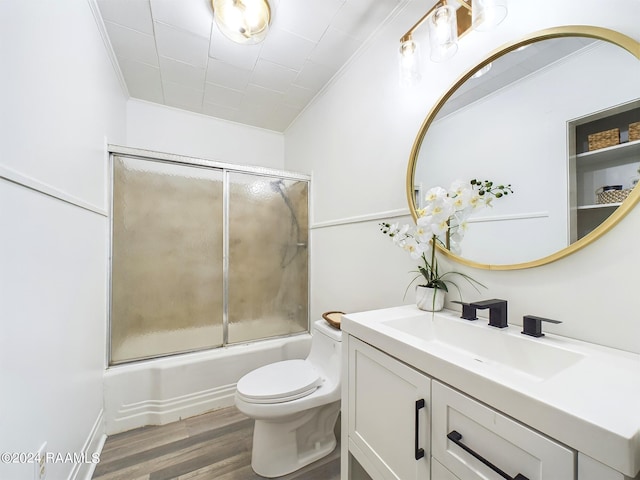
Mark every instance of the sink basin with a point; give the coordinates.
(503, 349)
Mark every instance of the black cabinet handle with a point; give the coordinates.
(456, 438)
(419, 452)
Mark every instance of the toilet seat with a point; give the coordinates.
(279, 382)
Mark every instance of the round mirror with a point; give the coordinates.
(557, 116)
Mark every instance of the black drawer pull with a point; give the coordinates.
(419, 452)
(455, 437)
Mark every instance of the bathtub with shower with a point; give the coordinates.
(208, 280)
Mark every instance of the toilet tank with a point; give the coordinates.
(326, 348)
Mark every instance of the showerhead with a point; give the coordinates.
(277, 186)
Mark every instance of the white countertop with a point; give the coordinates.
(592, 405)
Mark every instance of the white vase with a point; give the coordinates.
(429, 299)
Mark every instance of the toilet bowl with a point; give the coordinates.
(295, 404)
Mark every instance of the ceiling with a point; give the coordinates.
(170, 52)
(512, 67)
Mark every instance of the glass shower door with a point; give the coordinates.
(167, 275)
(268, 257)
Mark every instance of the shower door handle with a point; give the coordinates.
(419, 452)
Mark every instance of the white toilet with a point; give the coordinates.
(295, 404)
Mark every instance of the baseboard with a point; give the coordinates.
(161, 412)
(92, 448)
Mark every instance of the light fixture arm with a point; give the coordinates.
(466, 4)
(441, 3)
(407, 35)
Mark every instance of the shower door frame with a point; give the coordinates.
(226, 169)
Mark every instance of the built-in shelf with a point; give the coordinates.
(598, 206)
(590, 171)
(610, 155)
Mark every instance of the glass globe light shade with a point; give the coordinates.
(242, 21)
(487, 14)
(443, 33)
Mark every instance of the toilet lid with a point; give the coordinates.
(279, 382)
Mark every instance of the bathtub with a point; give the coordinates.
(164, 390)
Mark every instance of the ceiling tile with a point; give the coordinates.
(223, 96)
(131, 44)
(220, 111)
(313, 76)
(286, 49)
(360, 18)
(226, 75)
(272, 76)
(181, 45)
(180, 96)
(283, 116)
(306, 18)
(242, 56)
(195, 16)
(131, 14)
(335, 49)
(257, 97)
(257, 116)
(182, 73)
(298, 96)
(143, 81)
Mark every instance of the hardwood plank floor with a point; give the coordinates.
(215, 445)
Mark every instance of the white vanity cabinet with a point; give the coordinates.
(399, 421)
(388, 415)
(473, 441)
(477, 402)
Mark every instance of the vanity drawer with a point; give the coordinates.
(438, 472)
(485, 436)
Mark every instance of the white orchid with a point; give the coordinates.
(435, 194)
(414, 247)
(443, 221)
(446, 211)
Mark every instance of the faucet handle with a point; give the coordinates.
(468, 311)
(532, 325)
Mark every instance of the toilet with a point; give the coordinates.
(295, 404)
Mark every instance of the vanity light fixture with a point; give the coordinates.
(447, 21)
(409, 62)
(488, 14)
(242, 21)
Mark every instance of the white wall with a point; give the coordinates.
(60, 101)
(171, 130)
(356, 139)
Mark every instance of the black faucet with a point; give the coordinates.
(497, 311)
(532, 325)
(468, 311)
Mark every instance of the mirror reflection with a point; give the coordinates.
(528, 122)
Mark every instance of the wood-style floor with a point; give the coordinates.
(215, 445)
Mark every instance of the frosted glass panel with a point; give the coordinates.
(167, 247)
(268, 257)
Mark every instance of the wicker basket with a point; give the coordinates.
(604, 139)
(634, 131)
(333, 318)
(612, 196)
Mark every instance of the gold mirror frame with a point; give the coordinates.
(611, 36)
